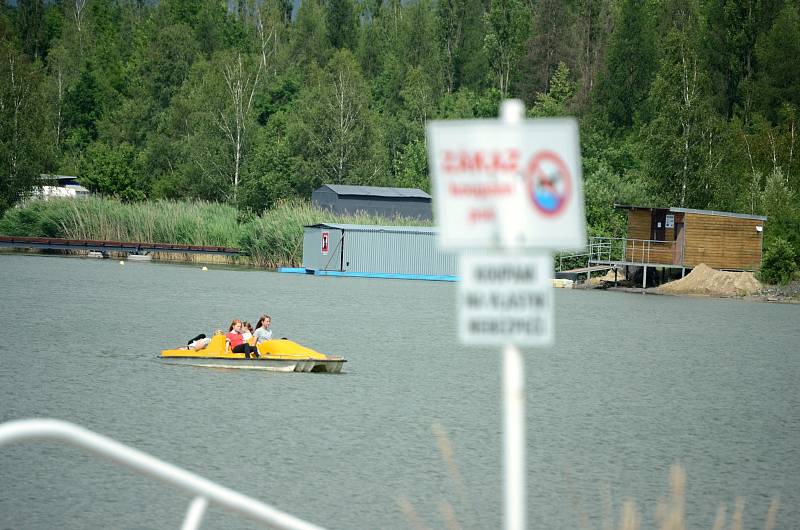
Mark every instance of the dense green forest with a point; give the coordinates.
(681, 102)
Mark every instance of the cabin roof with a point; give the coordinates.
(375, 191)
(375, 228)
(692, 210)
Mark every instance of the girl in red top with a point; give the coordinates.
(236, 341)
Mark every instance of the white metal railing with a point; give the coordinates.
(610, 249)
(204, 489)
(606, 250)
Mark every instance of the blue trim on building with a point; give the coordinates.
(383, 275)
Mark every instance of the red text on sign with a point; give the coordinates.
(480, 189)
(477, 215)
(464, 161)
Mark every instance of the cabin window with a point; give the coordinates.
(658, 221)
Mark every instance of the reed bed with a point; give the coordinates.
(273, 239)
(197, 223)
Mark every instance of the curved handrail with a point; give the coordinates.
(63, 431)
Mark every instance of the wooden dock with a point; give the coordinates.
(53, 243)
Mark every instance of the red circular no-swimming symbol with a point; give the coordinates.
(549, 183)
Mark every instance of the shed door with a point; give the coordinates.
(677, 247)
(330, 259)
(658, 220)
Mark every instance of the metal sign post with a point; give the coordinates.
(508, 184)
(514, 437)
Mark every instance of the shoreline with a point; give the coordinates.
(773, 294)
(789, 294)
(243, 262)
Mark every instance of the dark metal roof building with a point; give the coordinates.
(386, 202)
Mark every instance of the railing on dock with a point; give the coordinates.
(204, 489)
(634, 251)
(54, 243)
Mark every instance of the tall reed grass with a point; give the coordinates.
(273, 239)
(197, 223)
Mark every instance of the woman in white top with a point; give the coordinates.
(262, 332)
(247, 332)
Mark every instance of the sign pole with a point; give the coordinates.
(514, 437)
(512, 188)
(512, 112)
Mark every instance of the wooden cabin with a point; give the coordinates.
(685, 238)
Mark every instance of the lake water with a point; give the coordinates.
(634, 384)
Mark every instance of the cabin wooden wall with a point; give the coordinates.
(638, 224)
(640, 228)
(722, 242)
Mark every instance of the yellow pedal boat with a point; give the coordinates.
(275, 355)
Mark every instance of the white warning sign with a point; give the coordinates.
(507, 185)
(506, 299)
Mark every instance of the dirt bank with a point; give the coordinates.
(703, 280)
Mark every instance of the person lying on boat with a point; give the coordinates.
(200, 342)
(262, 332)
(236, 343)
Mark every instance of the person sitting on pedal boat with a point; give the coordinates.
(262, 332)
(236, 340)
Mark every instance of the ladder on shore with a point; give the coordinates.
(204, 489)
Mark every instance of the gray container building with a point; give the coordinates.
(386, 202)
(365, 250)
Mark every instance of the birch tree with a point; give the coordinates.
(333, 131)
(77, 10)
(682, 136)
(22, 152)
(234, 118)
(270, 33)
(508, 24)
(212, 119)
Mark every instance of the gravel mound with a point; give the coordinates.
(707, 281)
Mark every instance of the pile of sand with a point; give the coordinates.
(609, 277)
(705, 280)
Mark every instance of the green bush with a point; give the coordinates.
(778, 265)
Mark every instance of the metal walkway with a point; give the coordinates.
(204, 489)
(53, 243)
(590, 269)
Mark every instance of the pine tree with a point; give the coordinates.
(461, 38)
(778, 75)
(310, 34)
(630, 64)
(547, 46)
(730, 33)
(342, 22)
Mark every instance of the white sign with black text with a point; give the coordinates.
(506, 299)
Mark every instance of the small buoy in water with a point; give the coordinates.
(121, 262)
(204, 268)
